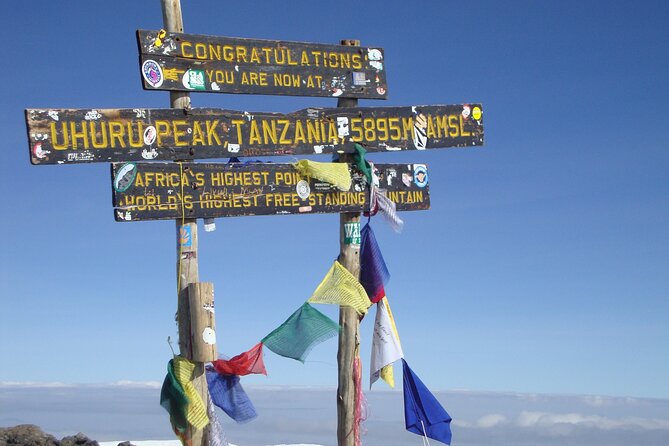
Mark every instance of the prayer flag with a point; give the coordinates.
(423, 415)
(196, 412)
(300, 333)
(373, 270)
(174, 400)
(216, 435)
(386, 347)
(333, 173)
(388, 210)
(227, 393)
(340, 287)
(242, 364)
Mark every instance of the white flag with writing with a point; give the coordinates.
(386, 347)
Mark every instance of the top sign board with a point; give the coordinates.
(197, 63)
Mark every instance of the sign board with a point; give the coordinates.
(85, 135)
(196, 63)
(157, 191)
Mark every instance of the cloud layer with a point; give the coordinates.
(130, 410)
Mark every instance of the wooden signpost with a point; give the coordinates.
(184, 191)
(103, 135)
(158, 191)
(196, 63)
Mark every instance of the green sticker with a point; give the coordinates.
(352, 233)
(194, 79)
(124, 177)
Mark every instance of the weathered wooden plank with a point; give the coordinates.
(198, 63)
(156, 191)
(85, 135)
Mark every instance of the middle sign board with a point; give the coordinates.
(58, 136)
(198, 63)
(157, 191)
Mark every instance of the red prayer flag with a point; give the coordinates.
(242, 364)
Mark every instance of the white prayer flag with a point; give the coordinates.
(386, 347)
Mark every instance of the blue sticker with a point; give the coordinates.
(185, 236)
(420, 175)
(153, 74)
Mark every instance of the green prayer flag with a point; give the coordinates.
(362, 163)
(174, 400)
(300, 333)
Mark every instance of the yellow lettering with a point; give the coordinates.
(162, 130)
(211, 132)
(54, 136)
(255, 57)
(198, 134)
(200, 50)
(93, 133)
(178, 133)
(430, 128)
(238, 125)
(394, 125)
(228, 53)
(241, 53)
(269, 132)
(356, 127)
(284, 131)
(407, 128)
(356, 60)
(83, 134)
(214, 52)
(254, 134)
(139, 142)
(299, 133)
(462, 128)
(185, 45)
(313, 132)
(116, 132)
(453, 131)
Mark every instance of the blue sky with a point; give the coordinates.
(541, 266)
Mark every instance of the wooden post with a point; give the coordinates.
(187, 241)
(203, 321)
(349, 336)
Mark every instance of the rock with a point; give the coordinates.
(78, 440)
(126, 443)
(26, 435)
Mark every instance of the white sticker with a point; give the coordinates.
(303, 190)
(149, 135)
(209, 336)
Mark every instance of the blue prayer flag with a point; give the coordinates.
(227, 393)
(373, 270)
(423, 415)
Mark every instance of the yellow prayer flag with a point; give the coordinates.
(392, 321)
(340, 287)
(387, 375)
(333, 173)
(196, 414)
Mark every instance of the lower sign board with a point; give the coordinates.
(158, 191)
(58, 136)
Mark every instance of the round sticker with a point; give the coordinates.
(303, 190)
(209, 336)
(476, 113)
(149, 135)
(125, 176)
(420, 175)
(152, 73)
(466, 111)
(38, 151)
